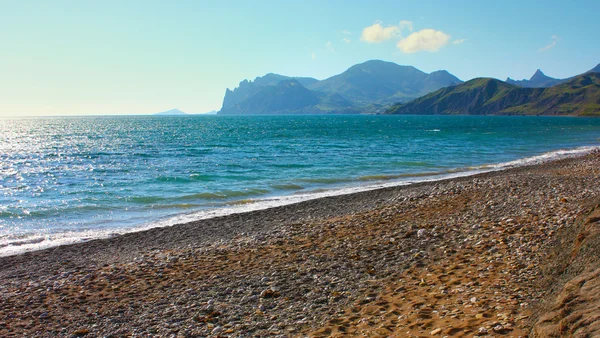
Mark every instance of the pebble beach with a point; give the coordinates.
(463, 257)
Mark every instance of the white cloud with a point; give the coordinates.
(405, 24)
(376, 33)
(313, 55)
(329, 46)
(346, 40)
(345, 32)
(424, 40)
(458, 41)
(555, 40)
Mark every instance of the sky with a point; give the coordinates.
(141, 57)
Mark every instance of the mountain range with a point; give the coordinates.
(384, 87)
(541, 80)
(579, 96)
(363, 87)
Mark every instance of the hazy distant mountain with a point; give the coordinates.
(290, 97)
(540, 80)
(246, 88)
(172, 112)
(273, 79)
(580, 96)
(384, 82)
(362, 87)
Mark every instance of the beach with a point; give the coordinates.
(462, 257)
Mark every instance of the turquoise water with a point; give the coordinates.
(71, 178)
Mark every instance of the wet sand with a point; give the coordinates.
(462, 257)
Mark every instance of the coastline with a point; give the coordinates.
(41, 242)
(304, 268)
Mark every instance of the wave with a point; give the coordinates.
(223, 194)
(10, 245)
(546, 157)
(53, 211)
(287, 186)
(397, 176)
(173, 206)
(292, 166)
(416, 164)
(326, 180)
(10, 214)
(203, 177)
(242, 202)
(34, 240)
(176, 179)
(145, 199)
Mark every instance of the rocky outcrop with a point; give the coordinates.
(576, 312)
(246, 89)
(573, 309)
(289, 97)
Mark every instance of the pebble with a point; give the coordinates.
(436, 331)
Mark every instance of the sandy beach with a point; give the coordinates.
(511, 253)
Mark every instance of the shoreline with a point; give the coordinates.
(38, 242)
(216, 215)
(323, 267)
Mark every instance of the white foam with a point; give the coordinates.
(38, 242)
(550, 156)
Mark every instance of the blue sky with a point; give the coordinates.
(136, 57)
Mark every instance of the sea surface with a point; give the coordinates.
(70, 179)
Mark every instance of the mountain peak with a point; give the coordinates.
(596, 69)
(537, 80)
(380, 64)
(538, 75)
(375, 62)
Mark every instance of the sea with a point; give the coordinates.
(71, 179)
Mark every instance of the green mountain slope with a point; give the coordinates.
(483, 96)
(383, 82)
